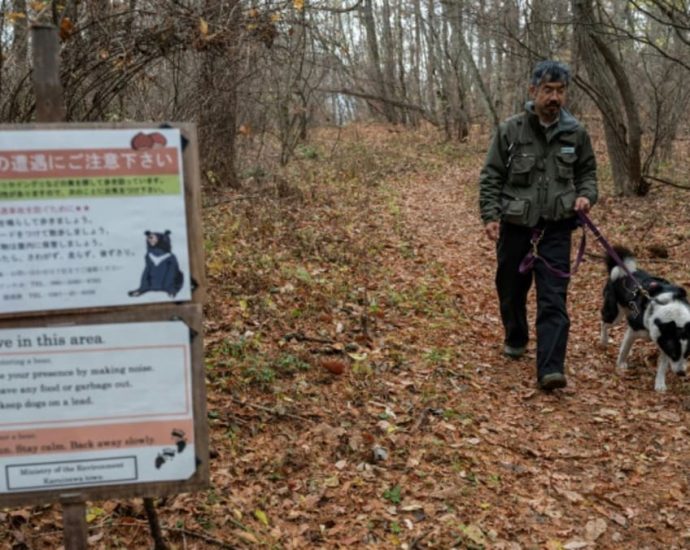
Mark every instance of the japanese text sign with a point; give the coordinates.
(92, 218)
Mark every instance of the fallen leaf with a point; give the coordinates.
(93, 513)
(203, 27)
(595, 528)
(331, 481)
(261, 516)
(335, 366)
(475, 534)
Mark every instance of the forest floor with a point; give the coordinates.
(357, 396)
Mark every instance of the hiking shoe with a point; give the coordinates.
(552, 381)
(514, 352)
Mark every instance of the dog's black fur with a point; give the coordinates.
(660, 313)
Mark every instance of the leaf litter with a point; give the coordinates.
(356, 392)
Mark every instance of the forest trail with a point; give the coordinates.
(604, 462)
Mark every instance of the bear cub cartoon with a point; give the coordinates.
(161, 271)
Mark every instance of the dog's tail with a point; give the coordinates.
(625, 254)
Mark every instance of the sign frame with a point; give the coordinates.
(191, 315)
(192, 199)
(190, 312)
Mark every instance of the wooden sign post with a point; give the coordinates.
(101, 291)
(50, 107)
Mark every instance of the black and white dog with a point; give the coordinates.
(662, 316)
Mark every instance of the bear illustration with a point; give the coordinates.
(161, 272)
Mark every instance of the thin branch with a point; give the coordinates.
(273, 412)
(667, 182)
(373, 97)
(329, 9)
(205, 538)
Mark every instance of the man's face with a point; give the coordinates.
(548, 98)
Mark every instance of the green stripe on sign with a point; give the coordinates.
(69, 188)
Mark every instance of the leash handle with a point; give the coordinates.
(532, 256)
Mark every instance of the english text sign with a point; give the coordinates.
(95, 405)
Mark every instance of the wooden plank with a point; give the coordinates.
(50, 106)
(75, 530)
(191, 314)
(192, 175)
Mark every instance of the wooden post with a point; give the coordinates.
(75, 531)
(50, 106)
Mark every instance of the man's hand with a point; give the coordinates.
(491, 230)
(582, 205)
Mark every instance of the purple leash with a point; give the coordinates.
(532, 256)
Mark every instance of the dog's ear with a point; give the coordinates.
(681, 293)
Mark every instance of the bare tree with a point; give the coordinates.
(382, 83)
(256, 74)
(611, 90)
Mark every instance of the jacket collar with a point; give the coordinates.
(566, 121)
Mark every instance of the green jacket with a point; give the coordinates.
(532, 172)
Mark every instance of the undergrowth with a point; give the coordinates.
(308, 260)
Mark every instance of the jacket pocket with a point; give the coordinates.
(565, 166)
(515, 210)
(565, 205)
(520, 170)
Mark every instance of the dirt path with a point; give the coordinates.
(603, 463)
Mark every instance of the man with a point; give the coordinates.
(539, 170)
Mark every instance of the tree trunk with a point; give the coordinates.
(367, 12)
(417, 55)
(609, 88)
(218, 119)
(456, 92)
(466, 54)
(389, 64)
(402, 74)
(431, 59)
(20, 37)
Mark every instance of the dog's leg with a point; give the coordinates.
(626, 344)
(605, 326)
(604, 337)
(662, 368)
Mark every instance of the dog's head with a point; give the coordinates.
(669, 328)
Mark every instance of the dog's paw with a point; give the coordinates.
(623, 365)
(660, 386)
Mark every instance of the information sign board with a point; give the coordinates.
(95, 405)
(92, 218)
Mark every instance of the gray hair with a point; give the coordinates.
(550, 71)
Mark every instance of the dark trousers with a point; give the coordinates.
(553, 322)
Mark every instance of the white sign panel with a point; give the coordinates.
(95, 404)
(91, 218)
